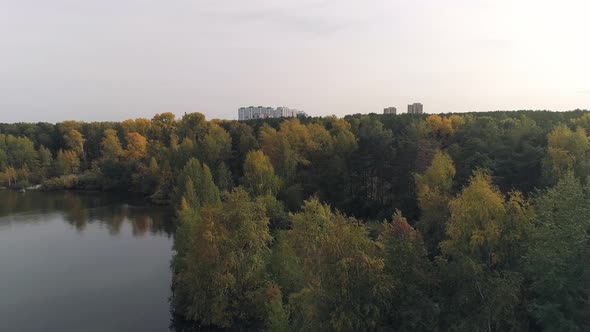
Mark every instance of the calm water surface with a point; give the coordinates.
(83, 262)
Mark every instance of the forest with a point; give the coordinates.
(449, 222)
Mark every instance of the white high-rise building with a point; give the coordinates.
(261, 112)
(415, 108)
(283, 112)
(390, 110)
(255, 112)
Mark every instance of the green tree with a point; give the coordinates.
(207, 191)
(3, 151)
(163, 125)
(343, 286)
(216, 145)
(165, 185)
(372, 181)
(201, 180)
(557, 261)
(20, 151)
(24, 174)
(223, 177)
(146, 178)
(193, 126)
(45, 162)
(411, 306)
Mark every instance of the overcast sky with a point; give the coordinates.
(119, 59)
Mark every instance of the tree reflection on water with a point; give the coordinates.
(81, 208)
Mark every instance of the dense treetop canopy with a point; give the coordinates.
(462, 222)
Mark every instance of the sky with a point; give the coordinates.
(111, 60)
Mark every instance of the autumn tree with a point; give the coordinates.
(136, 147)
(582, 121)
(10, 175)
(279, 151)
(66, 162)
(434, 189)
(486, 236)
(567, 151)
(141, 126)
(259, 176)
(111, 146)
(341, 285)
(442, 127)
(74, 141)
(219, 271)
(493, 268)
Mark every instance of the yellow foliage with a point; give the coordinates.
(110, 145)
(140, 125)
(136, 146)
(184, 204)
(444, 127)
(483, 225)
(74, 141)
(439, 176)
(259, 175)
(10, 175)
(440, 126)
(269, 141)
(568, 151)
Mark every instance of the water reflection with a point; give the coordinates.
(79, 261)
(124, 284)
(81, 208)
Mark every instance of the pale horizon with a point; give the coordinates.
(114, 60)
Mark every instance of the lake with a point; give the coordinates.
(74, 261)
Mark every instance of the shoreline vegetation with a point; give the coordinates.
(462, 222)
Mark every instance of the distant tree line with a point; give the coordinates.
(470, 222)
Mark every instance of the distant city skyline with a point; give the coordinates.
(265, 112)
(113, 60)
